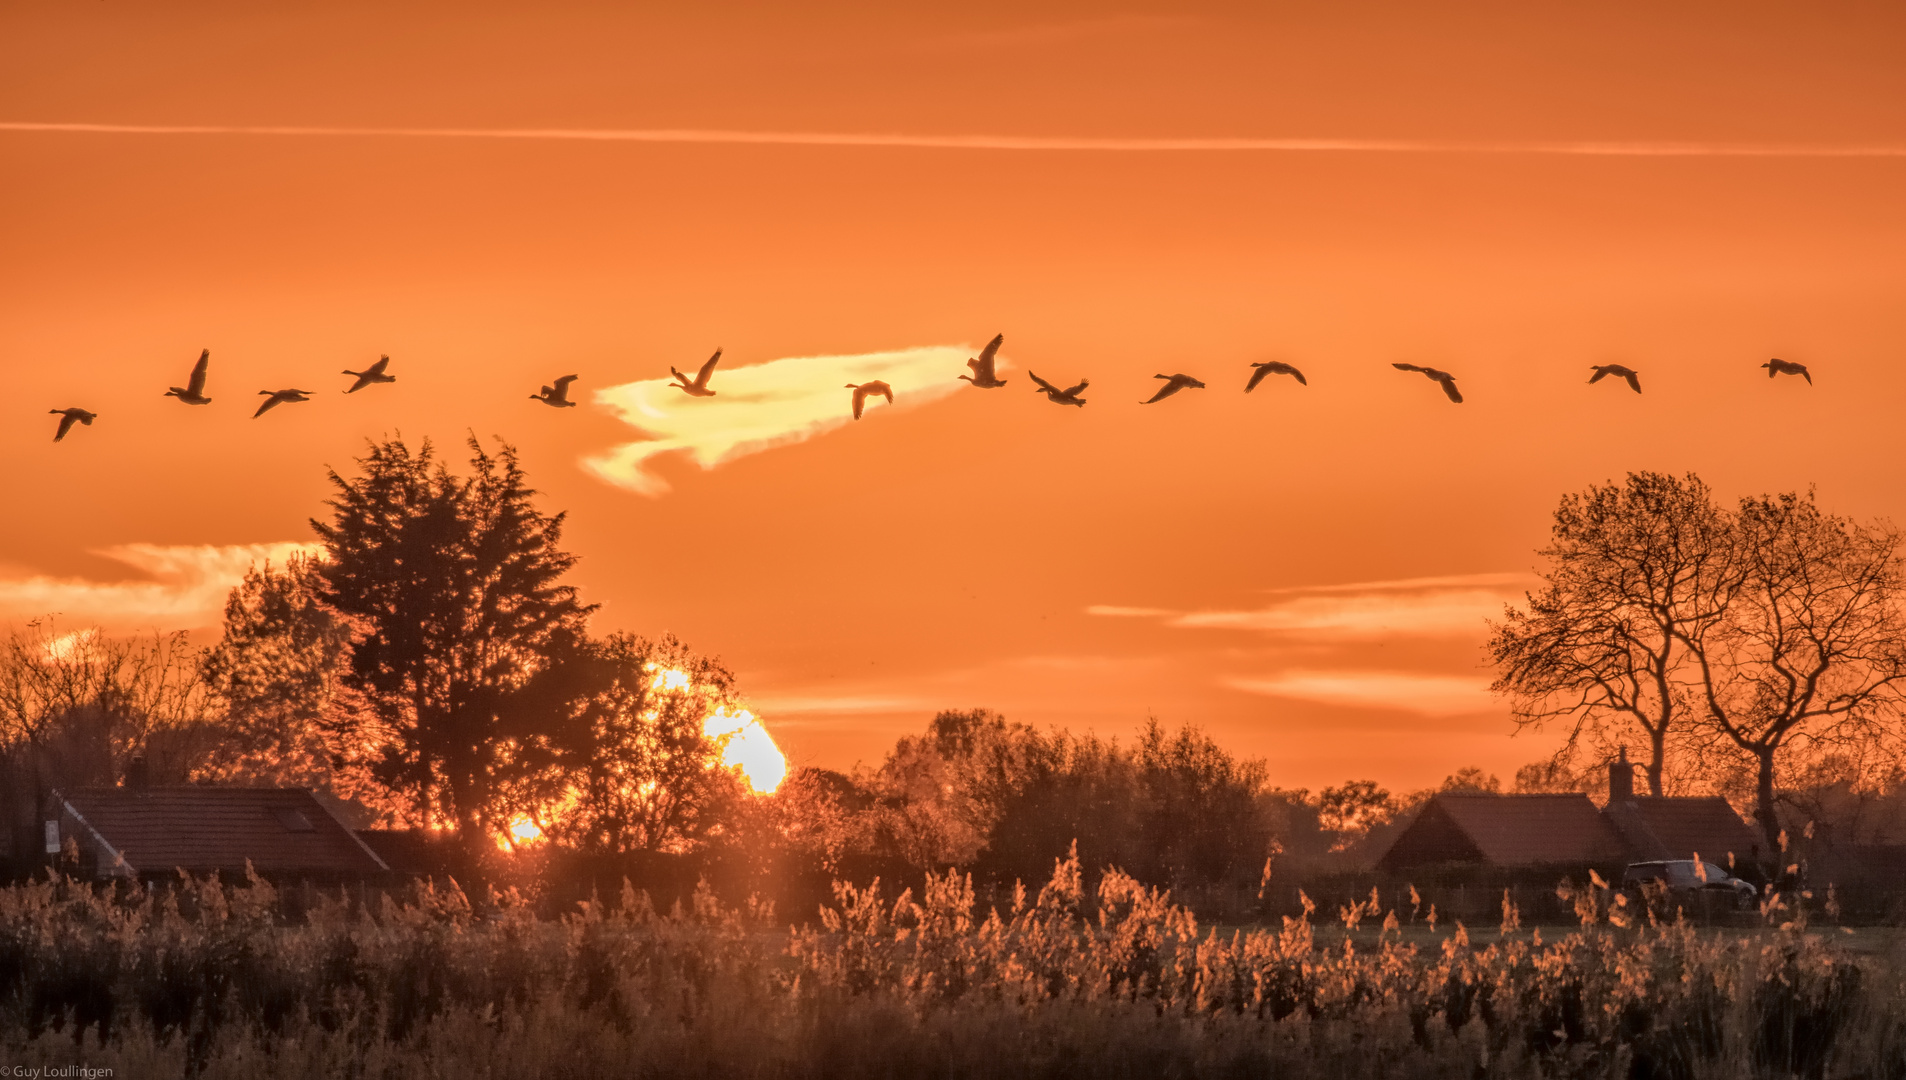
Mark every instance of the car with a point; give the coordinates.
(1682, 879)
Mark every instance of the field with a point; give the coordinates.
(212, 980)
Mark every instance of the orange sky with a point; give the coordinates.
(1302, 571)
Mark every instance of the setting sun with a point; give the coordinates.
(746, 745)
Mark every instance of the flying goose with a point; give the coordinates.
(697, 386)
(1602, 371)
(1057, 396)
(193, 392)
(1173, 384)
(372, 374)
(982, 365)
(557, 395)
(1273, 367)
(862, 391)
(1787, 367)
(279, 397)
(1447, 380)
(68, 417)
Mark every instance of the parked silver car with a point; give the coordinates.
(1683, 878)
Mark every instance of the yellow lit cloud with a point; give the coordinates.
(763, 406)
(1429, 695)
(184, 585)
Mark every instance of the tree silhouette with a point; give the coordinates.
(277, 671)
(454, 583)
(1813, 649)
(1634, 569)
(1763, 630)
(634, 767)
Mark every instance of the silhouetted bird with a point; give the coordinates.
(982, 365)
(1273, 367)
(1787, 367)
(69, 417)
(557, 395)
(1602, 371)
(697, 386)
(279, 397)
(1445, 378)
(372, 374)
(193, 392)
(1069, 396)
(863, 390)
(1173, 384)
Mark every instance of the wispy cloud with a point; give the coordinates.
(184, 586)
(1010, 142)
(763, 406)
(1428, 695)
(1409, 607)
(781, 705)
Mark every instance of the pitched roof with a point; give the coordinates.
(1508, 831)
(1676, 828)
(205, 829)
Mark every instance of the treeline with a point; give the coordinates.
(430, 669)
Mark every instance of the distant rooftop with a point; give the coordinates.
(282, 831)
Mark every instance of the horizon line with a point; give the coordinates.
(716, 136)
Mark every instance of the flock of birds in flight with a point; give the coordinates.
(984, 376)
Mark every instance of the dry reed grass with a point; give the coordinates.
(203, 979)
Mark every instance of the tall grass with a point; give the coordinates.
(212, 980)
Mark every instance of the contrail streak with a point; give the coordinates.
(1002, 142)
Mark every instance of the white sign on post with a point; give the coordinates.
(52, 838)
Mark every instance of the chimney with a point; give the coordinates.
(1621, 779)
(136, 777)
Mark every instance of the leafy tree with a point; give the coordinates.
(1350, 810)
(1200, 806)
(454, 584)
(638, 771)
(1634, 569)
(278, 671)
(1470, 781)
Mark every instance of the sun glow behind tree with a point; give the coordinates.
(745, 744)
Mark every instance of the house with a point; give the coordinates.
(1508, 832)
(1522, 832)
(139, 832)
(1676, 827)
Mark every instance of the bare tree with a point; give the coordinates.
(1635, 570)
(1812, 651)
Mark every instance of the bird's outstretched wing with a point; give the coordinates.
(1634, 381)
(1805, 374)
(1293, 373)
(1043, 384)
(986, 354)
(701, 377)
(1409, 367)
(1164, 391)
(264, 405)
(1079, 389)
(1600, 374)
(562, 384)
(1449, 387)
(196, 385)
(1257, 376)
(66, 424)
